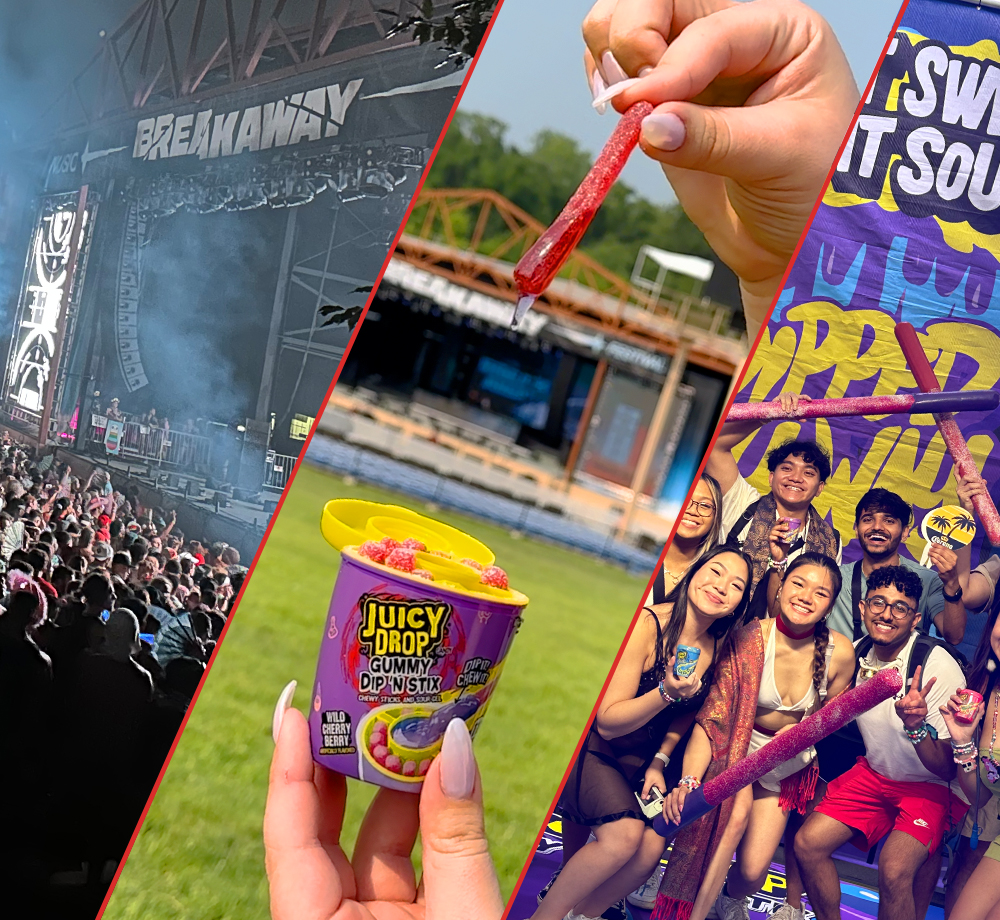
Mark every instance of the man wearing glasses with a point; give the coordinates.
(900, 788)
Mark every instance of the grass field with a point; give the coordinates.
(200, 853)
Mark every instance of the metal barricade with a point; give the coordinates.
(277, 469)
(155, 445)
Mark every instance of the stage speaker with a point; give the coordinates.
(253, 457)
(193, 489)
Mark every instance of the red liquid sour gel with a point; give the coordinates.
(540, 264)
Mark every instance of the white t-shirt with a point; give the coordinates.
(889, 752)
(739, 497)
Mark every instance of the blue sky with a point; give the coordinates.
(530, 74)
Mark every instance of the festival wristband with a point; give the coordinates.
(916, 735)
(667, 698)
(659, 755)
(689, 782)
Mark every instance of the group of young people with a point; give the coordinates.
(108, 616)
(757, 585)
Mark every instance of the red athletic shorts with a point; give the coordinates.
(873, 805)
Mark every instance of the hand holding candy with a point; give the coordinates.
(961, 732)
(753, 100)
(778, 540)
(308, 871)
(912, 708)
(682, 687)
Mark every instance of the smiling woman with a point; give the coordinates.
(646, 711)
(698, 531)
(788, 667)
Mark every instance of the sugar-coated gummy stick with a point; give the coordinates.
(845, 708)
(540, 264)
(909, 403)
(923, 373)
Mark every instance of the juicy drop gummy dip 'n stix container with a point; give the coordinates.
(405, 652)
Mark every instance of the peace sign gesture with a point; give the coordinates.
(912, 708)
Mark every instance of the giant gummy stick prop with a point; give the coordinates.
(923, 373)
(908, 403)
(540, 264)
(845, 708)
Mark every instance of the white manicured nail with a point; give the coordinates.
(597, 87)
(665, 131)
(613, 72)
(615, 90)
(458, 765)
(281, 707)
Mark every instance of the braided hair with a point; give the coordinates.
(821, 636)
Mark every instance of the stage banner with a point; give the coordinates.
(908, 231)
(113, 436)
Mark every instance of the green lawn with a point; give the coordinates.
(200, 854)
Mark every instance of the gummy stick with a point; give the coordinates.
(923, 373)
(967, 400)
(540, 264)
(836, 714)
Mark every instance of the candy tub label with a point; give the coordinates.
(400, 659)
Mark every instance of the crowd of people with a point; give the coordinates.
(109, 615)
(756, 584)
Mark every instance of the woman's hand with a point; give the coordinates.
(654, 777)
(310, 876)
(961, 732)
(680, 687)
(753, 101)
(673, 804)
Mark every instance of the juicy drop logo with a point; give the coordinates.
(411, 629)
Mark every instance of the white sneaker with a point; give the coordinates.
(732, 908)
(787, 912)
(645, 895)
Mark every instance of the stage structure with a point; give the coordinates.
(219, 172)
(621, 383)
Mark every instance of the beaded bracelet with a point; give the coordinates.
(968, 748)
(667, 698)
(916, 735)
(689, 782)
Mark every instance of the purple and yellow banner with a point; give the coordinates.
(908, 231)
